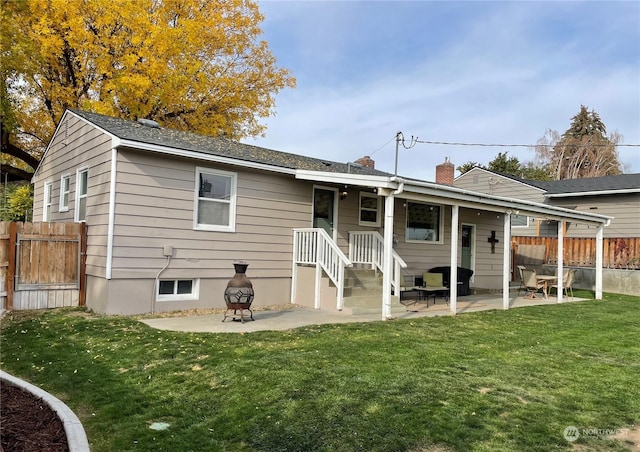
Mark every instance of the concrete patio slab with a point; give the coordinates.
(280, 320)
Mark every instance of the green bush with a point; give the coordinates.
(19, 205)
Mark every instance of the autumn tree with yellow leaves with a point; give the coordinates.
(196, 65)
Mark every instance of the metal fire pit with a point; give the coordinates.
(239, 293)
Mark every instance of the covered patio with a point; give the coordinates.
(424, 225)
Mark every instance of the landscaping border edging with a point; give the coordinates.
(76, 437)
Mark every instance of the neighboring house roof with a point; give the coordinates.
(622, 183)
(136, 132)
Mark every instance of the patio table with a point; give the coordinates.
(545, 280)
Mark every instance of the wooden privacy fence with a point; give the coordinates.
(621, 253)
(42, 265)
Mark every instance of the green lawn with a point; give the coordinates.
(494, 381)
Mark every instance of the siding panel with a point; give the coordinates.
(155, 207)
(76, 145)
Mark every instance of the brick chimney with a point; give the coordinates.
(445, 172)
(366, 161)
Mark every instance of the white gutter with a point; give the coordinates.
(348, 179)
(592, 193)
(112, 209)
(459, 194)
(203, 156)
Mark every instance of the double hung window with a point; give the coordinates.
(369, 210)
(82, 180)
(65, 189)
(215, 205)
(48, 201)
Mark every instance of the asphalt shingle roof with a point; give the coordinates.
(189, 141)
(621, 182)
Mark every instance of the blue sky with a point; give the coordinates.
(472, 72)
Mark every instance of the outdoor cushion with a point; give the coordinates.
(432, 279)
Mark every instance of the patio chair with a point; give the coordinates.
(434, 285)
(567, 282)
(531, 283)
(522, 287)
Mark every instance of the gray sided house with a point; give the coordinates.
(614, 196)
(169, 212)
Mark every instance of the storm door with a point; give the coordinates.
(324, 210)
(467, 248)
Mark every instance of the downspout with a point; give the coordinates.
(112, 212)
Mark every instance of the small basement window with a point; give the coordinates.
(177, 289)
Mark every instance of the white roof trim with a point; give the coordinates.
(345, 178)
(455, 195)
(114, 139)
(593, 193)
(203, 156)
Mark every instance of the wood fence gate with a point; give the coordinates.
(42, 265)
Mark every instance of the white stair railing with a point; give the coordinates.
(367, 247)
(313, 246)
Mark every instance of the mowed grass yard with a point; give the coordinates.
(489, 381)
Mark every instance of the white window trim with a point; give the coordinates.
(440, 225)
(76, 213)
(47, 202)
(521, 225)
(194, 295)
(62, 207)
(378, 209)
(231, 227)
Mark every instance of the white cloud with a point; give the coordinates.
(501, 80)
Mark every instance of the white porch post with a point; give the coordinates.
(453, 284)
(506, 261)
(560, 259)
(599, 260)
(319, 258)
(294, 268)
(387, 264)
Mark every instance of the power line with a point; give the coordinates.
(383, 146)
(446, 143)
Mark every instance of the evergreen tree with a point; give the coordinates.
(583, 150)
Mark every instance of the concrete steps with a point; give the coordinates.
(363, 293)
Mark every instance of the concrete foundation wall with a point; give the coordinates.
(625, 282)
(615, 281)
(137, 296)
(305, 288)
